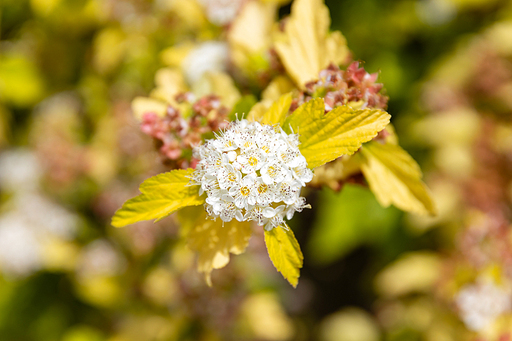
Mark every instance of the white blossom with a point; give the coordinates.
(100, 258)
(19, 170)
(221, 12)
(481, 303)
(210, 56)
(252, 172)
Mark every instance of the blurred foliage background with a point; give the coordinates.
(72, 152)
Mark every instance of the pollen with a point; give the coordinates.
(252, 161)
(263, 188)
(245, 191)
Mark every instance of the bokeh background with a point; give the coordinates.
(71, 152)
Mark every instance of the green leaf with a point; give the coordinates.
(242, 107)
(326, 136)
(161, 195)
(347, 219)
(278, 111)
(395, 178)
(284, 252)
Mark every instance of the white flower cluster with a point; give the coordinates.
(252, 172)
(482, 303)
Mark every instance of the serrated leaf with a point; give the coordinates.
(305, 47)
(284, 252)
(395, 178)
(215, 240)
(278, 111)
(161, 195)
(326, 136)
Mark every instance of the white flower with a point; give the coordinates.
(275, 171)
(265, 193)
(482, 303)
(244, 192)
(297, 206)
(221, 12)
(251, 160)
(302, 174)
(252, 172)
(289, 191)
(228, 176)
(19, 170)
(209, 56)
(100, 258)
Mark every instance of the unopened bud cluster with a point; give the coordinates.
(339, 87)
(252, 172)
(176, 134)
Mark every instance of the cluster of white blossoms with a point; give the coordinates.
(252, 172)
(482, 303)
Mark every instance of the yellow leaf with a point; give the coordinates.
(326, 136)
(306, 47)
(142, 105)
(21, 83)
(412, 272)
(169, 83)
(173, 56)
(220, 84)
(214, 240)
(278, 111)
(284, 252)
(395, 178)
(258, 111)
(250, 33)
(279, 86)
(161, 195)
(109, 49)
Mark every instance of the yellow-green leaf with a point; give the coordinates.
(258, 111)
(278, 111)
(279, 86)
(214, 240)
(326, 136)
(249, 36)
(284, 252)
(395, 178)
(305, 47)
(220, 84)
(161, 195)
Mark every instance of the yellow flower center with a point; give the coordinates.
(262, 188)
(265, 149)
(232, 177)
(272, 171)
(245, 191)
(253, 161)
